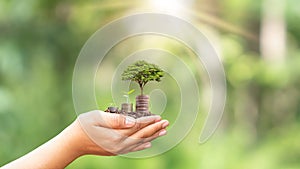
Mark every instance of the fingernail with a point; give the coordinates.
(147, 145)
(158, 118)
(129, 121)
(165, 123)
(164, 132)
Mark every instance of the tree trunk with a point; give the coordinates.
(141, 87)
(273, 31)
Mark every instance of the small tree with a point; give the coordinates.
(126, 95)
(142, 73)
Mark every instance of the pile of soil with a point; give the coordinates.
(131, 114)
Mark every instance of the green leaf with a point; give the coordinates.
(131, 91)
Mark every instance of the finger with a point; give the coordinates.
(134, 144)
(145, 121)
(140, 124)
(142, 147)
(115, 121)
(135, 147)
(150, 130)
(160, 133)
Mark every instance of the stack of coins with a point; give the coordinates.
(127, 107)
(142, 104)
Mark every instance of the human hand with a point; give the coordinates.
(97, 133)
(102, 133)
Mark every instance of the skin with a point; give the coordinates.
(94, 133)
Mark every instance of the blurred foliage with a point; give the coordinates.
(40, 41)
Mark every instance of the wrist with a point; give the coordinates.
(70, 140)
(81, 144)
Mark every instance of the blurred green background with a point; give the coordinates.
(258, 42)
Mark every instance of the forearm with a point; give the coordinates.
(56, 153)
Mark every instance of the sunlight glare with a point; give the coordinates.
(174, 7)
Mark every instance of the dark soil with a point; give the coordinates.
(131, 114)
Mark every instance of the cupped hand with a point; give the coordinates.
(102, 133)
